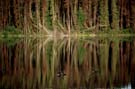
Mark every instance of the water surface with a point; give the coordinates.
(67, 63)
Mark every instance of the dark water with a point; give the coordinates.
(69, 63)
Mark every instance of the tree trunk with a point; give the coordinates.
(132, 11)
(43, 10)
(115, 15)
(37, 2)
(16, 13)
(26, 16)
(104, 16)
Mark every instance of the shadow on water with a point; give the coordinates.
(67, 63)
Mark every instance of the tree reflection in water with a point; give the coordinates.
(67, 63)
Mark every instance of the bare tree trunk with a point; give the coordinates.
(74, 13)
(4, 13)
(67, 2)
(54, 15)
(104, 16)
(121, 13)
(94, 12)
(16, 13)
(90, 13)
(30, 11)
(115, 15)
(128, 14)
(26, 16)
(1, 14)
(85, 6)
(37, 2)
(132, 11)
(43, 10)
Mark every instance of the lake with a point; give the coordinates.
(67, 63)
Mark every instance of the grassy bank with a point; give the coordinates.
(11, 31)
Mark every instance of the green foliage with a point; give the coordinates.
(115, 32)
(10, 41)
(49, 20)
(103, 12)
(48, 17)
(10, 30)
(81, 17)
(127, 31)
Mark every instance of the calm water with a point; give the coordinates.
(68, 63)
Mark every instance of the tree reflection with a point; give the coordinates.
(67, 63)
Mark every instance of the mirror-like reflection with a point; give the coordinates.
(67, 63)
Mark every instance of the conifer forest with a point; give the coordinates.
(66, 16)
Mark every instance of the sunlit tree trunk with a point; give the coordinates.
(115, 15)
(74, 5)
(90, 12)
(104, 16)
(37, 12)
(53, 13)
(26, 16)
(67, 6)
(94, 8)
